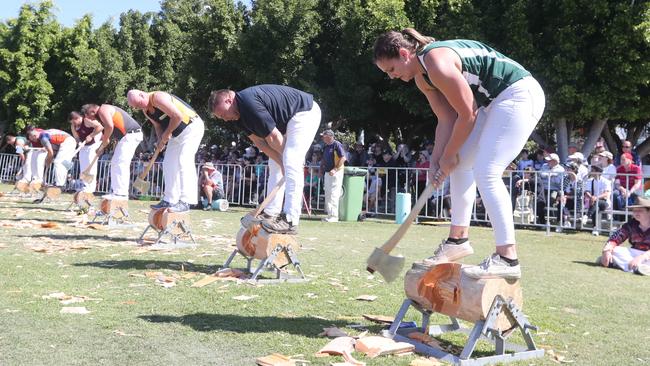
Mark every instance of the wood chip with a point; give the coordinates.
(425, 362)
(50, 225)
(374, 346)
(382, 319)
(275, 359)
(244, 297)
(97, 226)
(205, 281)
(333, 332)
(366, 298)
(75, 310)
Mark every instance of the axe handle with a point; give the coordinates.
(390, 244)
(268, 198)
(153, 160)
(85, 172)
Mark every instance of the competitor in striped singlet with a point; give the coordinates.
(89, 132)
(181, 128)
(487, 106)
(32, 160)
(34, 154)
(121, 126)
(55, 138)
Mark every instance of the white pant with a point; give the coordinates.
(179, 167)
(301, 130)
(333, 189)
(500, 132)
(121, 163)
(65, 153)
(34, 166)
(86, 155)
(623, 255)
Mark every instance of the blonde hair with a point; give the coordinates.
(388, 44)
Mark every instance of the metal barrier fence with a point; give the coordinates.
(538, 199)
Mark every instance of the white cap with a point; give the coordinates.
(577, 156)
(553, 156)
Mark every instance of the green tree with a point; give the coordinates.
(27, 46)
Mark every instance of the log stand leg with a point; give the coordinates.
(483, 329)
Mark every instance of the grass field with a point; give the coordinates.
(586, 314)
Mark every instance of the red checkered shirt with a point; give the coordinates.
(631, 231)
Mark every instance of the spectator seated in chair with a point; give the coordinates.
(211, 184)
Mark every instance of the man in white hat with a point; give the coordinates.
(211, 184)
(578, 158)
(606, 162)
(551, 174)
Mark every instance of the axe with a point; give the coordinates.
(380, 260)
(248, 220)
(86, 177)
(68, 163)
(140, 183)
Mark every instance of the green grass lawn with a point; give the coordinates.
(586, 314)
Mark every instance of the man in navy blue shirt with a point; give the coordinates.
(332, 170)
(282, 122)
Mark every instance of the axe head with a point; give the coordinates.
(141, 185)
(87, 178)
(387, 265)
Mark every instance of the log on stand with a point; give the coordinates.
(493, 305)
(272, 249)
(176, 224)
(113, 211)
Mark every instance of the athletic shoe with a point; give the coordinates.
(279, 225)
(643, 269)
(208, 207)
(493, 267)
(180, 207)
(449, 252)
(161, 204)
(330, 219)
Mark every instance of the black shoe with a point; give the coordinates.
(279, 225)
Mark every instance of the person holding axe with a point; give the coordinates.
(32, 156)
(179, 127)
(87, 132)
(487, 105)
(282, 122)
(65, 145)
(118, 124)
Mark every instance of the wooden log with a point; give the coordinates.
(446, 290)
(117, 208)
(82, 198)
(35, 186)
(22, 186)
(52, 192)
(259, 244)
(161, 218)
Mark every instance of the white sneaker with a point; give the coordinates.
(107, 197)
(493, 267)
(330, 219)
(567, 224)
(449, 252)
(558, 229)
(643, 269)
(595, 232)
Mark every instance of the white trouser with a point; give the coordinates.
(86, 155)
(121, 163)
(65, 153)
(623, 255)
(34, 166)
(179, 166)
(500, 132)
(301, 130)
(333, 189)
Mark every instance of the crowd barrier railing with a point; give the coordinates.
(537, 199)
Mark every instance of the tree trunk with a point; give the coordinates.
(535, 136)
(611, 139)
(562, 136)
(635, 134)
(643, 149)
(593, 134)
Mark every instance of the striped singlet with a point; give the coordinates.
(163, 119)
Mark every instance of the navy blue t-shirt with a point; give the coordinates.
(329, 159)
(264, 107)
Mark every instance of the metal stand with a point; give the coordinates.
(268, 264)
(483, 329)
(83, 204)
(112, 219)
(176, 230)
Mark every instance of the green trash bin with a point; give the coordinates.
(354, 181)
